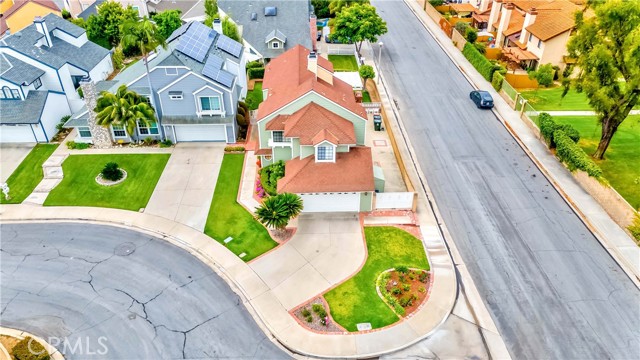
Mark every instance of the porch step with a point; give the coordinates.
(52, 172)
(46, 185)
(55, 160)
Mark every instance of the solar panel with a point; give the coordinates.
(229, 46)
(212, 66)
(218, 75)
(178, 32)
(196, 41)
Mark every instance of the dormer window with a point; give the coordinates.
(325, 153)
(37, 83)
(278, 136)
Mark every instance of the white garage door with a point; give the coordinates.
(16, 134)
(200, 133)
(331, 202)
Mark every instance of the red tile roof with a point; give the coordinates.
(352, 172)
(287, 78)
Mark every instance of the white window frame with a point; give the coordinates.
(166, 71)
(143, 127)
(273, 136)
(176, 97)
(210, 112)
(85, 128)
(275, 44)
(539, 44)
(325, 144)
(37, 83)
(119, 127)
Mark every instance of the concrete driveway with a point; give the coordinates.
(11, 155)
(185, 189)
(326, 249)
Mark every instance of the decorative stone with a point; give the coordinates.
(228, 239)
(105, 182)
(363, 326)
(100, 135)
(243, 255)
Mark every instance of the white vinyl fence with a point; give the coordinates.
(394, 200)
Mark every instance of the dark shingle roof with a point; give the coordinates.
(23, 111)
(292, 20)
(86, 57)
(91, 10)
(18, 72)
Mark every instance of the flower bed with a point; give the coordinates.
(314, 315)
(403, 289)
(104, 182)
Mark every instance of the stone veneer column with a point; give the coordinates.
(101, 135)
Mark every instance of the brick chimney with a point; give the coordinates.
(529, 19)
(505, 17)
(101, 135)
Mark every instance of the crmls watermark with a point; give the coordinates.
(78, 346)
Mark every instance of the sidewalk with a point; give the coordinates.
(621, 247)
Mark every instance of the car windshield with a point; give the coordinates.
(486, 96)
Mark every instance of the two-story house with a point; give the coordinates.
(40, 70)
(533, 32)
(271, 27)
(310, 119)
(195, 86)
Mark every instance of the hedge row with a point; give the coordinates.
(548, 127)
(497, 80)
(256, 73)
(485, 67)
(571, 154)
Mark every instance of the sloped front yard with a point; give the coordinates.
(356, 300)
(79, 187)
(228, 219)
(28, 174)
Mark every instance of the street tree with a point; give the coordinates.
(607, 52)
(366, 72)
(167, 21)
(358, 23)
(125, 108)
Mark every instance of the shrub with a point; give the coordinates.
(65, 14)
(62, 121)
(396, 291)
(319, 310)
(406, 287)
(471, 34)
(402, 269)
(80, 93)
(548, 127)
(118, 58)
(422, 289)
(309, 318)
(29, 349)
(481, 47)
(423, 276)
(233, 148)
(571, 154)
(571, 132)
(254, 64)
(435, 3)
(166, 143)
(111, 172)
(406, 301)
(634, 228)
(148, 140)
(81, 146)
(269, 176)
(485, 67)
(256, 73)
(461, 26)
(543, 75)
(399, 310)
(71, 145)
(305, 312)
(497, 80)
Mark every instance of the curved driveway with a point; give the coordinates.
(551, 288)
(147, 298)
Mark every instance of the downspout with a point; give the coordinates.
(43, 131)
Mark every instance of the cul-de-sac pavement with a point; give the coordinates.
(319, 179)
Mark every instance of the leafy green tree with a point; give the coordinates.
(276, 211)
(321, 8)
(366, 73)
(471, 34)
(167, 21)
(104, 27)
(336, 6)
(543, 75)
(117, 58)
(125, 108)
(357, 23)
(607, 50)
(230, 29)
(145, 36)
(211, 12)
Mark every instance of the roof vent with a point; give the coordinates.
(270, 11)
(254, 16)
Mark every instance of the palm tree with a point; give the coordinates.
(276, 211)
(144, 35)
(125, 108)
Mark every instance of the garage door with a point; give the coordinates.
(200, 133)
(16, 134)
(331, 202)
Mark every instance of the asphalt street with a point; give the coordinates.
(121, 294)
(551, 288)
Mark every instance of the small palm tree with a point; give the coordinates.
(125, 108)
(145, 36)
(276, 211)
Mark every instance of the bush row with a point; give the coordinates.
(485, 67)
(269, 176)
(256, 73)
(497, 80)
(634, 228)
(233, 148)
(548, 127)
(571, 154)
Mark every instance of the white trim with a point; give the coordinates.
(201, 77)
(323, 144)
(201, 112)
(126, 134)
(152, 70)
(206, 87)
(175, 81)
(172, 68)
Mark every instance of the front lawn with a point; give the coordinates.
(227, 218)
(344, 62)
(551, 100)
(79, 187)
(621, 166)
(28, 174)
(356, 300)
(254, 97)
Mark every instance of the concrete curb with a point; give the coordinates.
(612, 250)
(19, 334)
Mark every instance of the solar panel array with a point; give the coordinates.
(229, 46)
(178, 32)
(213, 65)
(196, 41)
(220, 76)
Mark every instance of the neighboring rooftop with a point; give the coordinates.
(290, 20)
(287, 78)
(91, 10)
(352, 171)
(24, 112)
(189, 9)
(17, 5)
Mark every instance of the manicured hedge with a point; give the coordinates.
(548, 127)
(256, 73)
(497, 80)
(571, 154)
(485, 67)
(269, 176)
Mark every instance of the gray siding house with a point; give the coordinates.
(196, 83)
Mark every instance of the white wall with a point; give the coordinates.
(49, 79)
(16, 134)
(102, 70)
(79, 41)
(54, 109)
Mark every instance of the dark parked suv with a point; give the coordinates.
(482, 99)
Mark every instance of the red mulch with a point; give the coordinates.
(315, 324)
(415, 284)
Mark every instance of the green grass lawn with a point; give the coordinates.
(79, 187)
(28, 174)
(344, 62)
(228, 218)
(356, 300)
(366, 97)
(551, 99)
(621, 166)
(254, 97)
